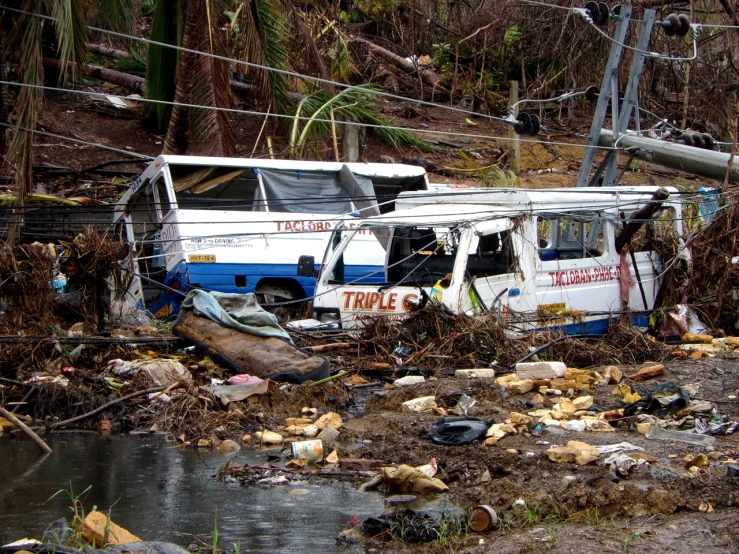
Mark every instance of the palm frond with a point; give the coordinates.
(314, 59)
(342, 65)
(118, 15)
(135, 65)
(28, 105)
(161, 62)
(71, 32)
(265, 30)
(355, 105)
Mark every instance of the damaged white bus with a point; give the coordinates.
(534, 258)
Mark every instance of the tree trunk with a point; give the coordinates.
(130, 82)
(179, 123)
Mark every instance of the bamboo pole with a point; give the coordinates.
(27, 430)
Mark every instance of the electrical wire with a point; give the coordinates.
(306, 118)
(78, 141)
(257, 66)
(586, 16)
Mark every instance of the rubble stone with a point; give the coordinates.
(699, 461)
(332, 458)
(491, 441)
(582, 402)
(330, 419)
(519, 419)
(578, 452)
(409, 380)
(503, 380)
(268, 437)
(420, 404)
(99, 531)
(540, 370)
(228, 447)
(562, 385)
(311, 431)
(521, 387)
(612, 374)
(328, 435)
(647, 372)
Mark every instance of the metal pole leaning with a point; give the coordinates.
(631, 96)
(605, 94)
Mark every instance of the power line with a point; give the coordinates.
(258, 66)
(78, 141)
(305, 118)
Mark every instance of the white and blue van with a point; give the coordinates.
(239, 225)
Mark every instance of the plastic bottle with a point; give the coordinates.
(657, 433)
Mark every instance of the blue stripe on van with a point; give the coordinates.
(599, 326)
(222, 278)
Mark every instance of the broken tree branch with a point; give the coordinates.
(428, 75)
(27, 430)
(105, 407)
(639, 217)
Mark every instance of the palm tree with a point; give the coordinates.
(257, 28)
(27, 39)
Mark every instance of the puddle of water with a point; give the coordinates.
(159, 492)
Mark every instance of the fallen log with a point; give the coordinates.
(102, 50)
(27, 430)
(427, 74)
(130, 82)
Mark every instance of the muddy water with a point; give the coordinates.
(159, 492)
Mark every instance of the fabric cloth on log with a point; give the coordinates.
(238, 311)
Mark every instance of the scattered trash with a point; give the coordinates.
(311, 451)
(161, 371)
(457, 431)
(464, 404)
(482, 518)
(407, 479)
(657, 433)
(237, 393)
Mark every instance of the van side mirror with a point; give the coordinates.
(306, 266)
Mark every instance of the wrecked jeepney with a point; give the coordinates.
(532, 258)
(238, 225)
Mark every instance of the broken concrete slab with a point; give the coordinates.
(540, 370)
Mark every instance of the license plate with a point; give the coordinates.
(201, 258)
